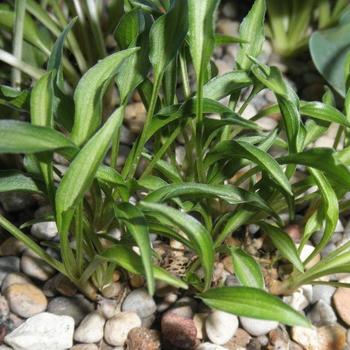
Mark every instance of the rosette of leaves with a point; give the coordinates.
(228, 179)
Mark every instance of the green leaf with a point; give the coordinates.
(228, 193)
(252, 31)
(22, 137)
(242, 149)
(131, 262)
(167, 35)
(324, 159)
(55, 58)
(13, 180)
(201, 16)
(330, 209)
(224, 85)
(322, 111)
(89, 92)
(195, 231)
(246, 269)
(136, 225)
(83, 168)
(329, 50)
(283, 243)
(254, 303)
(13, 98)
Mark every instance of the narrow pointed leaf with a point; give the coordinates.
(13, 180)
(254, 303)
(136, 225)
(246, 269)
(22, 137)
(252, 32)
(195, 231)
(283, 243)
(167, 35)
(131, 262)
(89, 92)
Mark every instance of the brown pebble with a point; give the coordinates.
(64, 286)
(341, 300)
(141, 338)
(294, 232)
(178, 331)
(331, 337)
(240, 340)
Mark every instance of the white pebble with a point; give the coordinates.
(90, 329)
(257, 327)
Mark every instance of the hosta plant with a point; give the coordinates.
(233, 173)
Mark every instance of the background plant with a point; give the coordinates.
(228, 179)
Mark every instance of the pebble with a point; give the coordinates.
(278, 337)
(185, 307)
(46, 230)
(341, 299)
(257, 327)
(8, 264)
(26, 300)
(85, 347)
(179, 331)
(249, 112)
(12, 246)
(221, 326)
(304, 254)
(229, 10)
(240, 340)
(322, 314)
(43, 331)
(141, 338)
(108, 307)
(64, 286)
(118, 327)
(141, 302)
(210, 346)
(12, 278)
(228, 27)
(35, 267)
(135, 115)
(13, 202)
(90, 329)
(300, 299)
(112, 290)
(76, 307)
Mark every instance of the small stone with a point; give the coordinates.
(12, 246)
(278, 337)
(141, 302)
(147, 322)
(16, 320)
(49, 288)
(210, 346)
(108, 307)
(341, 300)
(299, 300)
(135, 115)
(118, 327)
(178, 331)
(143, 339)
(199, 321)
(228, 27)
(43, 331)
(227, 261)
(64, 286)
(8, 264)
(331, 337)
(305, 253)
(112, 290)
(85, 347)
(240, 340)
(307, 337)
(221, 326)
(76, 307)
(46, 230)
(229, 10)
(14, 201)
(136, 281)
(90, 329)
(185, 307)
(257, 327)
(294, 232)
(26, 300)
(249, 112)
(35, 267)
(322, 314)
(4, 347)
(12, 278)
(223, 67)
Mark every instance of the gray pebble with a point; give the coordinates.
(77, 307)
(323, 292)
(141, 302)
(8, 264)
(322, 314)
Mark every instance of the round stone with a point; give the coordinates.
(118, 327)
(179, 331)
(257, 327)
(341, 300)
(26, 300)
(12, 278)
(90, 329)
(143, 338)
(221, 326)
(141, 302)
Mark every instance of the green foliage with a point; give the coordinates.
(230, 175)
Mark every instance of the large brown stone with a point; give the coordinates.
(141, 338)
